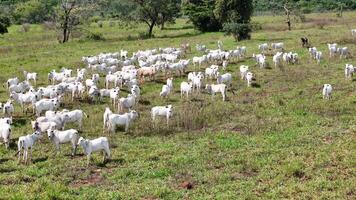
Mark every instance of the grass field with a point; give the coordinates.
(278, 140)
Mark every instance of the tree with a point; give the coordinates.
(70, 14)
(201, 14)
(150, 12)
(4, 24)
(170, 13)
(34, 11)
(235, 15)
(233, 11)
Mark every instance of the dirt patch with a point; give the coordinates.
(187, 185)
(94, 178)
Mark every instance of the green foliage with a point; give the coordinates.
(307, 6)
(4, 24)
(238, 31)
(34, 11)
(235, 11)
(201, 14)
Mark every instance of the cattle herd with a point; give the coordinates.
(119, 70)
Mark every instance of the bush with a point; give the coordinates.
(95, 19)
(4, 24)
(95, 36)
(201, 14)
(238, 31)
(25, 27)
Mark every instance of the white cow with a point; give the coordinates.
(263, 47)
(26, 144)
(30, 76)
(45, 105)
(185, 88)
(90, 146)
(61, 137)
(224, 78)
(126, 103)
(114, 120)
(243, 71)
(8, 109)
(219, 88)
(5, 131)
(349, 70)
(163, 111)
(327, 89)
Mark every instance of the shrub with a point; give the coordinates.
(100, 24)
(4, 24)
(95, 36)
(25, 27)
(238, 31)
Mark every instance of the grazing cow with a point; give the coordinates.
(327, 89)
(26, 144)
(344, 52)
(61, 137)
(163, 111)
(90, 146)
(224, 78)
(219, 88)
(277, 46)
(263, 47)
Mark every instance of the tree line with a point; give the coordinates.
(231, 16)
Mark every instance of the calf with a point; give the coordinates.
(26, 144)
(327, 89)
(185, 88)
(90, 146)
(61, 137)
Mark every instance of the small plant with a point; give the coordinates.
(25, 28)
(238, 31)
(100, 24)
(94, 36)
(4, 24)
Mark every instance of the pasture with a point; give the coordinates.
(277, 140)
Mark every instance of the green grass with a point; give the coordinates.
(278, 141)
